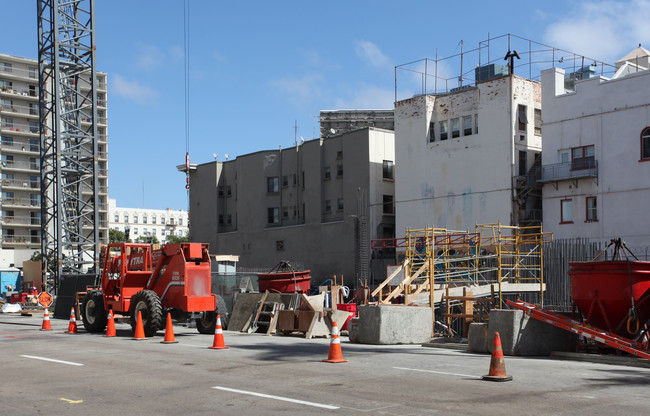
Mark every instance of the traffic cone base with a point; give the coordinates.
(110, 327)
(72, 326)
(139, 329)
(169, 331)
(497, 363)
(46, 326)
(335, 355)
(218, 343)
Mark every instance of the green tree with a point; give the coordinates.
(116, 236)
(172, 239)
(146, 239)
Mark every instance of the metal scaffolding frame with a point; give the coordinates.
(69, 151)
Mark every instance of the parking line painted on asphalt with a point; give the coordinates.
(285, 399)
(51, 360)
(436, 372)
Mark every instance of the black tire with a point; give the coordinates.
(93, 313)
(148, 303)
(208, 323)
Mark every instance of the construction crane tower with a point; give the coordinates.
(68, 128)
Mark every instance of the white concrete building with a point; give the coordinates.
(141, 222)
(317, 204)
(596, 153)
(464, 157)
(20, 152)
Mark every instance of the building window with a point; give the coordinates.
(180, 221)
(285, 181)
(388, 169)
(522, 119)
(388, 204)
(135, 219)
(229, 190)
(339, 204)
(339, 155)
(538, 121)
(592, 211)
(443, 130)
(273, 185)
(153, 231)
(6, 66)
(126, 218)
(328, 206)
(327, 173)
(135, 230)
(162, 220)
(583, 157)
(117, 217)
(467, 126)
(229, 218)
(455, 127)
(566, 211)
(475, 123)
(34, 126)
(285, 212)
(153, 220)
(162, 231)
(32, 72)
(273, 215)
(432, 132)
(220, 219)
(339, 171)
(220, 190)
(645, 144)
(8, 122)
(144, 219)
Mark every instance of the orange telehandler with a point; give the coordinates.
(136, 278)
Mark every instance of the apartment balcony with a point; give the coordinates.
(16, 129)
(568, 171)
(19, 185)
(17, 110)
(17, 203)
(23, 147)
(21, 241)
(20, 74)
(17, 166)
(20, 221)
(23, 95)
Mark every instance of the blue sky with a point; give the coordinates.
(257, 67)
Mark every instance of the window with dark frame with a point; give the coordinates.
(388, 204)
(522, 118)
(538, 121)
(455, 127)
(592, 209)
(273, 184)
(387, 168)
(443, 129)
(328, 173)
(339, 171)
(645, 144)
(339, 204)
(273, 215)
(583, 157)
(432, 132)
(328, 206)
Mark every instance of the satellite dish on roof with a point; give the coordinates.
(215, 156)
(332, 131)
(227, 156)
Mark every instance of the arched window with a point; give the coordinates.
(645, 143)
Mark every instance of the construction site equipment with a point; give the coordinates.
(218, 343)
(335, 355)
(46, 326)
(139, 280)
(72, 326)
(284, 278)
(497, 362)
(169, 331)
(612, 294)
(434, 259)
(583, 330)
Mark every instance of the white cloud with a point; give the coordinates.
(149, 57)
(300, 90)
(367, 97)
(371, 53)
(605, 30)
(132, 90)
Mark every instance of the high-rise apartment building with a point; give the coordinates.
(20, 159)
(146, 224)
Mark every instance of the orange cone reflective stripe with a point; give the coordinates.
(335, 355)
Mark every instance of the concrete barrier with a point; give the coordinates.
(521, 335)
(389, 325)
(477, 338)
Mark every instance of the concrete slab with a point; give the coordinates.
(521, 335)
(389, 325)
(478, 337)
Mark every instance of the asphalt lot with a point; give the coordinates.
(50, 372)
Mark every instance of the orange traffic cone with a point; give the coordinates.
(218, 343)
(72, 327)
(335, 355)
(139, 329)
(110, 328)
(46, 321)
(497, 364)
(169, 331)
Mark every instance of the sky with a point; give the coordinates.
(258, 68)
